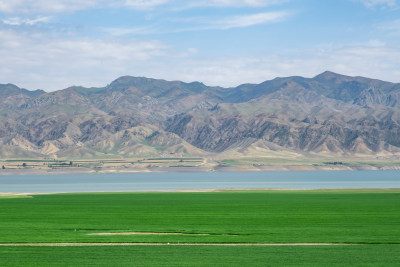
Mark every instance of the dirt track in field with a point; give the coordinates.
(168, 244)
(143, 233)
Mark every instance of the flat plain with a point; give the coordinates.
(366, 222)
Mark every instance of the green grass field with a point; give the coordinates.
(367, 217)
(369, 255)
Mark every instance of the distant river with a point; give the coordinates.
(182, 181)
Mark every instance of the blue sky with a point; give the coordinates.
(53, 44)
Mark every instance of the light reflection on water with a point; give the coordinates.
(201, 180)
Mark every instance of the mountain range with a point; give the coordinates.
(329, 114)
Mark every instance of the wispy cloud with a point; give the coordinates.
(17, 21)
(252, 3)
(249, 20)
(392, 27)
(115, 31)
(203, 24)
(46, 6)
(60, 62)
(143, 4)
(378, 3)
(370, 60)
(231, 22)
(182, 5)
(59, 6)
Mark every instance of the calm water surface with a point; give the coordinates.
(181, 181)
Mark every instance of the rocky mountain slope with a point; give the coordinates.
(135, 117)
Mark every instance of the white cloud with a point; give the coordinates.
(391, 27)
(241, 21)
(374, 60)
(129, 31)
(46, 6)
(227, 3)
(254, 3)
(16, 21)
(382, 3)
(143, 4)
(59, 6)
(201, 24)
(51, 63)
(249, 20)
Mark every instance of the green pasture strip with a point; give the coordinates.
(324, 191)
(292, 216)
(119, 162)
(28, 160)
(263, 161)
(171, 162)
(14, 196)
(369, 255)
(372, 162)
(170, 159)
(269, 161)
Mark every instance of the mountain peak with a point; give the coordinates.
(328, 75)
(11, 89)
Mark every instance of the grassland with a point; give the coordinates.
(369, 255)
(368, 218)
(310, 161)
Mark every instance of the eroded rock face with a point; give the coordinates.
(330, 113)
(217, 134)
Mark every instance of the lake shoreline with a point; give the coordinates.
(197, 181)
(25, 194)
(200, 169)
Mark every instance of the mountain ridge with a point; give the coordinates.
(137, 116)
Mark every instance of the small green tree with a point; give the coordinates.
(24, 164)
(3, 167)
(70, 163)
